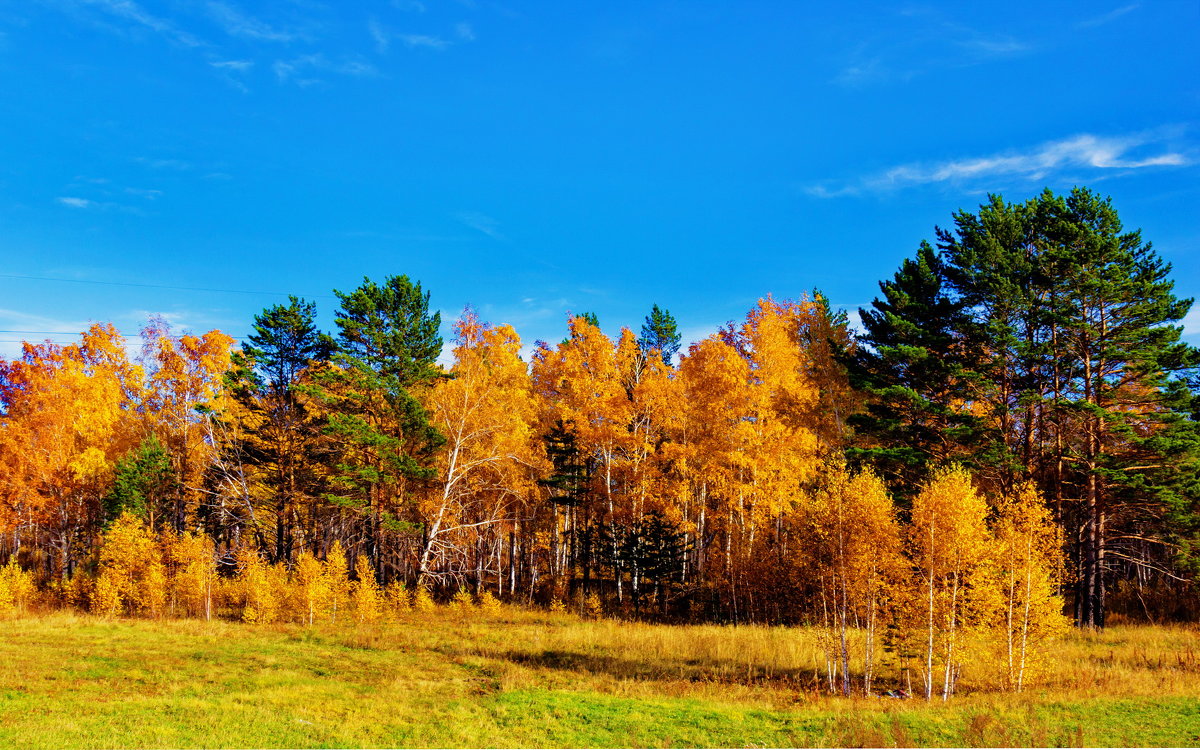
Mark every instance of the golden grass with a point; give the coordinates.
(515, 677)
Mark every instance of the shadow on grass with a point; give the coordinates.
(688, 670)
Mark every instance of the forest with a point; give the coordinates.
(1008, 444)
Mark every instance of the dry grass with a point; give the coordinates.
(515, 677)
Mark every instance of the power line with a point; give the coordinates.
(157, 286)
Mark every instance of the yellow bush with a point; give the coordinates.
(592, 606)
(192, 563)
(422, 600)
(256, 589)
(396, 595)
(366, 595)
(16, 586)
(488, 602)
(337, 581)
(131, 564)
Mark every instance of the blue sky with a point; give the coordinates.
(537, 158)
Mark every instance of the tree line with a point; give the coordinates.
(1013, 431)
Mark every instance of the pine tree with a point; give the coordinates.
(912, 366)
(142, 482)
(660, 334)
(388, 342)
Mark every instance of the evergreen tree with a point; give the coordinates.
(285, 341)
(1044, 343)
(281, 435)
(660, 334)
(142, 483)
(912, 368)
(388, 342)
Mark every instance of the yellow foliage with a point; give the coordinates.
(16, 586)
(366, 595)
(337, 581)
(311, 586)
(397, 597)
(592, 606)
(106, 596)
(462, 599)
(488, 602)
(131, 563)
(257, 589)
(192, 562)
(422, 600)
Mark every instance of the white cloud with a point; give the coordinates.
(1108, 17)
(423, 41)
(916, 42)
(237, 23)
(292, 70)
(175, 164)
(1082, 152)
(147, 193)
(381, 36)
(481, 222)
(465, 32)
(238, 66)
(34, 329)
(77, 202)
(131, 11)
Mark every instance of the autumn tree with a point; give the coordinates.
(486, 411)
(857, 549)
(66, 415)
(1029, 566)
(948, 542)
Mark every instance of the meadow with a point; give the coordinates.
(517, 677)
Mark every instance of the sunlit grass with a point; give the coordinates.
(523, 678)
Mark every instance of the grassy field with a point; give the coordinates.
(518, 678)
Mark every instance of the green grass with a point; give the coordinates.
(520, 678)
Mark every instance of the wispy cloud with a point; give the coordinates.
(173, 164)
(1191, 324)
(237, 23)
(35, 329)
(1087, 152)
(297, 70)
(481, 222)
(1108, 17)
(383, 37)
(423, 41)
(920, 42)
(239, 66)
(73, 202)
(147, 193)
(127, 10)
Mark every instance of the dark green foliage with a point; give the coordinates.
(1042, 343)
(285, 341)
(568, 484)
(142, 482)
(912, 366)
(388, 343)
(389, 330)
(660, 334)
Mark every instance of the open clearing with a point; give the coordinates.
(524, 678)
